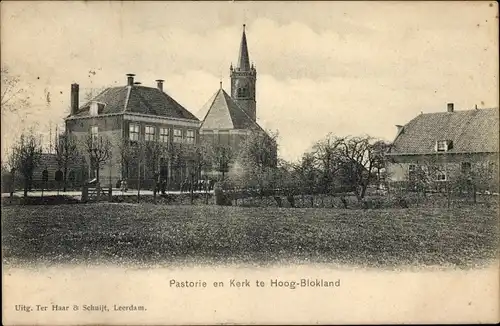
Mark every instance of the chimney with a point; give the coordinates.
(130, 79)
(400, 128)
(75, 88)
(450, 107)
(159, 84)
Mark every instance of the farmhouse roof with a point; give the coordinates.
(225, 113)
(470, 131)
(137, 99)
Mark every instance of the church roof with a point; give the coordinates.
(225, 113)
(243, 58)
(471, 131)
(137, 99)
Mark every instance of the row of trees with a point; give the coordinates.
(334, 165)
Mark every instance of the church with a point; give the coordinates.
(136, 114)
(232, 118)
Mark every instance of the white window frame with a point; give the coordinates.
(178, 135)
(164, 134)
(441, 176)
(149, 133)
(134, 129)
(190, 136)
(442, 146)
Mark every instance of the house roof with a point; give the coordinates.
(225, 113)
(137, 99)
(471, 131)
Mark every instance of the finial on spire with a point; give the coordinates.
(243, 58)
(220, 83)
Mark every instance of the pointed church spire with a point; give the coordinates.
(244, 60)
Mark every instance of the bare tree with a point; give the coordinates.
(153, 151)
(221, 158)
(328, 163)
(99, 150)
(25, 157)
(127, 155)
(66, 151)
(13, 95)
(308, 175)
(199, 160)
(360, 157)
(91, 93)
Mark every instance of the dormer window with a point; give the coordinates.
(96, 108)
(443, 145)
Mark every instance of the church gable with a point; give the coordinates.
(224, 113)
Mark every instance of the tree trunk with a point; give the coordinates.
(26, 186)
(191, 191)
(474, 193)
(138, 181)
(448, 195)
(65, 177)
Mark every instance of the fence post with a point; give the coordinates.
(98, 190)
(110, 194)
(85, 193)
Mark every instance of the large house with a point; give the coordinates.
(446, 146)
(130, 115)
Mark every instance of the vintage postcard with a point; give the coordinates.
(233, 162)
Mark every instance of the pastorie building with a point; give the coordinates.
(128, 115)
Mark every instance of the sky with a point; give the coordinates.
(347, 68)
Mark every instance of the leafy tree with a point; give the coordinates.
(258, 159)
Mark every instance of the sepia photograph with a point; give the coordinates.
(228, 162)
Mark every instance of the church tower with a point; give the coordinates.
(243, 78)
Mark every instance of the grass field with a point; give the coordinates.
(158, 234)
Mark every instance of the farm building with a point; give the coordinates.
(446, 146)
